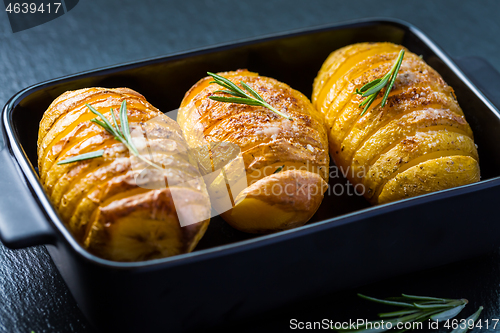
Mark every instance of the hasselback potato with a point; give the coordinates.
(417, 143)
(101, 200)
(285, 161)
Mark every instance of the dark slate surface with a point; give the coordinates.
(100, 33)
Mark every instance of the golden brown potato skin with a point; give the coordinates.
(419, 142)
(99, 199)
(267, 141)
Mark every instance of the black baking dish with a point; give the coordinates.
(232, 275)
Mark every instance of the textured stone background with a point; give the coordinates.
(101, 33)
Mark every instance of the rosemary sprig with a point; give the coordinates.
(122, 135)
(248, 97)
(415, 309)
(371, 89)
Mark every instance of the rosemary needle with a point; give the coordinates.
(86, 156)
(279, 169)
(372, 89)
(471, 319)
(246, 95)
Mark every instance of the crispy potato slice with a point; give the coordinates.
(146, 226)
(430, 176)
(410, 100)
(278, 202)
(399, 129)
(414, 150)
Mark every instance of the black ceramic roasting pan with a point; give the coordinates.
(233, 275)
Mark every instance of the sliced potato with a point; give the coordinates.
(114, 205)
(421, 121)
(268, 143)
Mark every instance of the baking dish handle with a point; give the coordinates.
(483, 75)
(22, 223)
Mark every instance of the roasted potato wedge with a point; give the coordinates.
(287, 156)
(419, 142)
(117, 206)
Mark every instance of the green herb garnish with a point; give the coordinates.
(122, 135)
(248, 97)
(86, 156)
(371, 89)
(279, 169)
(415, 309)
